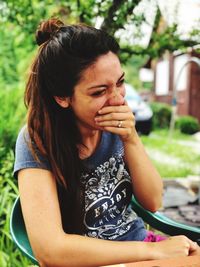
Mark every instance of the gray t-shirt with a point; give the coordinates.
(108, 189)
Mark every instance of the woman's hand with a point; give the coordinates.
(195, 252)
(177, 246)
(147, 183)
(118, 120)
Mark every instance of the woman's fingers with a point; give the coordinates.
(195, 252)
(116, 123)
(177, 246)
(113, 109)
(193, 246)
(114, 113)
(118, 120)
(114, 116)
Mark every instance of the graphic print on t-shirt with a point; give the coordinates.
(108, 193)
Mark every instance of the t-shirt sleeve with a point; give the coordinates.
(23, 155)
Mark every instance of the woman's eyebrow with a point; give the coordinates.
(104, 85)
(122, 76)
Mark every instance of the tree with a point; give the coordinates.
(23, 16)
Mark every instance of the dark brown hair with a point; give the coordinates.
(64, 53)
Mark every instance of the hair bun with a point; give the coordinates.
(46, 29)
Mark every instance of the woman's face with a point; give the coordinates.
(101, 84)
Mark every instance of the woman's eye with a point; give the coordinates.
(98, 93)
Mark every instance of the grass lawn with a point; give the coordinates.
(178, 156)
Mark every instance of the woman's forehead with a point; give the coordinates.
(106, 67)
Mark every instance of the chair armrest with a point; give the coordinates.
(162, 223)
(18, 231)
(156, 220)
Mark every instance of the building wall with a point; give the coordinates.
(187, 96)
(194, 90)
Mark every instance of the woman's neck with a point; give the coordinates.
(90, 142)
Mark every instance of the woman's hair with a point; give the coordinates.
(65, 51)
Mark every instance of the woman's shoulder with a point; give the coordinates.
(23, 136)
(22, 142)
(24, 157)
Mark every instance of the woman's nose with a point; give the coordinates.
(116, 99)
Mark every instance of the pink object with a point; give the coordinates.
(152, 237)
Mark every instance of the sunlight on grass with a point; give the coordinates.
(176, 157)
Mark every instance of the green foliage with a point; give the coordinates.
(118, 13)
(132, 67)
(25, 13)
(161, 115)
(163, 41)
(12, 114)
(19, 20)
(8, 68)
(15, 50)
(187, 124)
(9, 255)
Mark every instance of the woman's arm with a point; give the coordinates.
(53, 247)
(147, 183)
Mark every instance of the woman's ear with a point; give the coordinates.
(62, 101)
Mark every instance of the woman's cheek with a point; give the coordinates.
(95, 110)
(101, 103)
(123, 91)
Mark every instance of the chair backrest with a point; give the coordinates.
(18, 231)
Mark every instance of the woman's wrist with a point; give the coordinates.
(132, 139)
(151, 250)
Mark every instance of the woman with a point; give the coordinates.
(79, 159)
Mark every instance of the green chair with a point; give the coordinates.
(156, 220)
(162, 223)
(18, 231)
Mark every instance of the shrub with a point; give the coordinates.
(187, 124)
(161, 115)
(12, 114)
(9, 254)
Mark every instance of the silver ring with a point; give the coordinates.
(119, 124)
